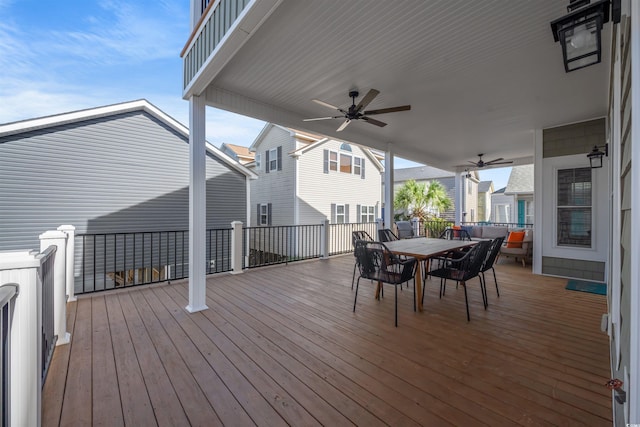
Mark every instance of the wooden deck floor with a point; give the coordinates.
(281, 346)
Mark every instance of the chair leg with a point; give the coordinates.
(353, 278)
(414, 294)
(483, 289)
(466, 301)
(356, 297)
(397, 304)
(496, 281)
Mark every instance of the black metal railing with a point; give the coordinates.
(280, 244)
(117, 260)
(7, 294)
(499, 224)
(46, 273)
(340, 236)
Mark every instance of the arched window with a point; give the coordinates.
(345, 147)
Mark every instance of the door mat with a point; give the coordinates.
(583, 286)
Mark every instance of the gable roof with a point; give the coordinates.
(484, 186)
(500, 191)
(242, 153)
(111, 110)
(520, 180)
(420, 173)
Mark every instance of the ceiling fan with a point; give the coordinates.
(356, 112)
(481, 163)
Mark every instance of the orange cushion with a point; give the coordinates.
(515, 239)
(456, 232)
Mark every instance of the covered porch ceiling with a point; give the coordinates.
(480, 76)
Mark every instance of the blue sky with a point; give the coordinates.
(70, 55)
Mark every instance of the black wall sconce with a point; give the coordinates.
(595, 156)
(579, 32)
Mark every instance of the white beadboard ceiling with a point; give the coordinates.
(480, 75)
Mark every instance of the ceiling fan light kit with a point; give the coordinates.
(358, 112)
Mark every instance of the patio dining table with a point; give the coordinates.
(424, 248)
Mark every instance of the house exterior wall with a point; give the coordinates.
(501, 199)
(122, 173)
(566, 147)
(276, 187)
(470, 212)
(318, 191)
(484, 206)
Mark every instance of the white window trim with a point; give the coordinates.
(273, 159)
(258, 159)
(343, 214)
(368, 213)
(556, 207)
(264, 212)
(337, 162)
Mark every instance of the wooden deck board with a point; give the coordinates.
(281, 345)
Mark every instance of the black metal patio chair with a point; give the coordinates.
(377, 263)
(492, 255)
(386, 235)
(462, 270)
(355, 236)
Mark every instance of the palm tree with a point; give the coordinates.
(421, 201)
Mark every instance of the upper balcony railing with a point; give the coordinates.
(217, 17)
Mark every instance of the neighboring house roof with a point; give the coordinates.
(484, 186)
(420, 173)
(500, 191)
(311, 142)
(110, 110)
(520, 180)
(242, 154)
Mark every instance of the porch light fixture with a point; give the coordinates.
(579, 31)
(595, 156)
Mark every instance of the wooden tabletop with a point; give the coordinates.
(424, 247)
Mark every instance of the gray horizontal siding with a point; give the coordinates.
(123, 173)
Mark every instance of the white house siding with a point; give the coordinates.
(123, 173)
(275, 187)
(498, 199)
(319, 190)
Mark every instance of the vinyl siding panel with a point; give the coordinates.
(318, 190)
(275, 187)
(122, 173)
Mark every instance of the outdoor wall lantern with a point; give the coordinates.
(579, 31)
(595, 156)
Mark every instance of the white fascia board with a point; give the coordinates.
(230, 162)
(254, 145)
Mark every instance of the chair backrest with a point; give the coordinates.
(386, 235)
(471, 263)
(451, 234)
(492, 253)
(359, 235)
(447, 234)
(377, 262)
(405, 230)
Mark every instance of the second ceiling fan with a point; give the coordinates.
(481, 163)
(357, 112)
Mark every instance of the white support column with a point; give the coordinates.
(197, 205)
(324, 239)
(459, 204)
(236, 247)
(58, 239)
(415, 223)
(70, 231)
(25, 386)
(388, 188)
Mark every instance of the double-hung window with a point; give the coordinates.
(264, 214)
(340, 214)
(333, 161)
(357, 168)
(273, 159)
(367, 213)
(574, 207)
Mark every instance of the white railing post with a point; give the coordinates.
(324, 239)
(236, 247)
(70, 254)
(415, 222)
(25, 386)
(380, 223)
(59, 239)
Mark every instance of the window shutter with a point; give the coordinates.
(346, 214)
(333, 212)
(258, 217)
(326, 161)
(267, 166)
(269, 214)
(362, 162)
(358, 216)
(280, 158)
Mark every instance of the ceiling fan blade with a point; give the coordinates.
(367, 99)
(507, 162)
(473, 163)
(373, 121)
(317, 101)
(343, 125)
(388, 110)
(321, 118)
(494, 160)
